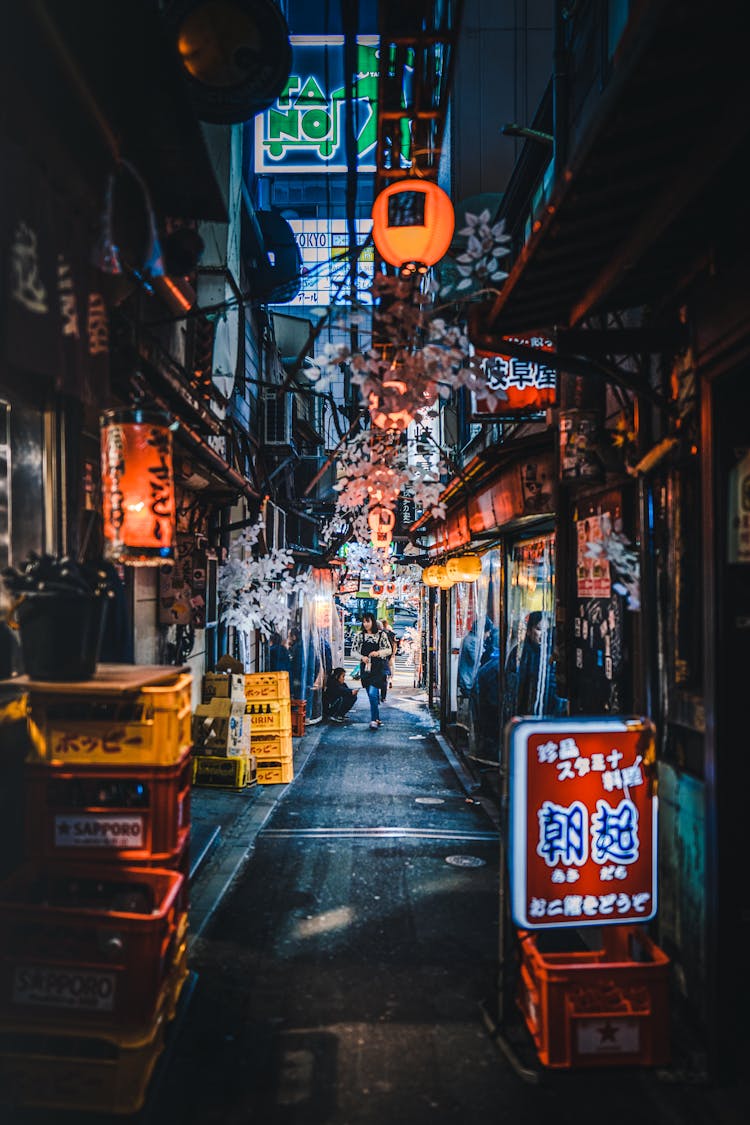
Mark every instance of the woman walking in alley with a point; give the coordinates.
(374, 649)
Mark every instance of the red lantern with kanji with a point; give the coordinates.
(138, 497)
(412, 224)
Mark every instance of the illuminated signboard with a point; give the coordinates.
(324, 246)
(304, 130)
(582, 822)
(524, 386)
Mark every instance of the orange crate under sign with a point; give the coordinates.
(128, 813)
(586, 1010)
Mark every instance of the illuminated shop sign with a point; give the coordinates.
(324, 249)
(304, 130)
(582, 823)
(523, 386)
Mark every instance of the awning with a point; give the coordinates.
(648, 175)
(500, 489)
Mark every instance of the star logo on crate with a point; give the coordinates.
(608, 1032)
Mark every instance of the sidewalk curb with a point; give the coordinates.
(467, 780)
(238, 842)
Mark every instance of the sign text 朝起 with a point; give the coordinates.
(583, 822)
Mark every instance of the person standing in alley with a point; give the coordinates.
(390, 664)
(278, 654)
(373, 648)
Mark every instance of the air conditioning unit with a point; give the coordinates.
(277, 419)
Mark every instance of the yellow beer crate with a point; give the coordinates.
(58, 1068)
(275, 773)
(262, 686)
(273, 716)
(273, 747)
(223, 773)
(148, 726)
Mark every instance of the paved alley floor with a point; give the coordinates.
(340, 981)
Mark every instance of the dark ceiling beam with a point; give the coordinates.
(684, 187)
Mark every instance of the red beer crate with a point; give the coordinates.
(299, 715)
(125, 814)
(89, 947)
(585, 1010)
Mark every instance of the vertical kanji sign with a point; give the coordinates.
(583, 822)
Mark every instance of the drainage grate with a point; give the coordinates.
(465, 861)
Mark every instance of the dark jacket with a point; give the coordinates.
(378, 648)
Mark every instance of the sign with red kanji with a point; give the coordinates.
(582, 822)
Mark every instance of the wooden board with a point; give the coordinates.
(109, 679)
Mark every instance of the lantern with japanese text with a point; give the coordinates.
(429, 576)
(412, 225)
(467, 568)
(381, 522)
(138, 497)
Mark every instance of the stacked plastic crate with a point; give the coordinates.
(93, 926)
(268, 704)
(222, 754)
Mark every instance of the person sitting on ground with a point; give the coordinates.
(339, 697)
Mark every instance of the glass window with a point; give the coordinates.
(529, 682)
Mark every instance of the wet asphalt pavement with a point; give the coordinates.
(340, 982)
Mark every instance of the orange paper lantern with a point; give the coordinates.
(138, 500)
(381, 522)
(412, 224)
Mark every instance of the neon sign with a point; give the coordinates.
(303, 131)
(582, 822)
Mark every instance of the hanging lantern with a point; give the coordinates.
(390, 587)
(381, 416)
(381, 522)
(443, 579)
(430, 575)
(413, 225)
(377, 589)
(466, 568)
(138, 498)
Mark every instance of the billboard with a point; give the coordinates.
(324, 249)
(304, 130)
(583, 821)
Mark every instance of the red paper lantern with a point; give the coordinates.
(412, 224)
(138, 499)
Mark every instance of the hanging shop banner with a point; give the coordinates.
(183, 585)
(592, 570)
(580, 432)
(304, 130)
(583, 822)
(522, 386)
